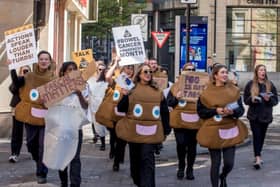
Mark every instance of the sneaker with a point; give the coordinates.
(41, 180)
(257, 166)
(13, 158)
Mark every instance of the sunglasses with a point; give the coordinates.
(190, 69)
(25, 71)
(148, 71)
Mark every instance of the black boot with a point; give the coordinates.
(189, 174)
(223, 181)
(180, 173)
(102, 147)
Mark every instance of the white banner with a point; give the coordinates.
(129, 44)
(21, 46)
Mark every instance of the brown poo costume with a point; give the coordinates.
(28, 111)
(107, 112)
(142, 123)
(184, 115)
(221, 132)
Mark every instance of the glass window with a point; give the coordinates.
(264, 14)
(264, 26)
(264, 39)
(252, 38)
(238, 51)
(233, 39)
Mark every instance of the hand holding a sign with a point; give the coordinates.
(179, 94)
(124, 91)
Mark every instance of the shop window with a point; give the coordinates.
(253, 38)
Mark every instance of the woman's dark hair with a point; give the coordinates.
(64, 67)
(137, 78)
(44, 52)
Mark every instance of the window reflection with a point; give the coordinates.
(252, 37)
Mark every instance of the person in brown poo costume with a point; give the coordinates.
(220, 106)
(145, 125)
(30, 110)
(186, 122)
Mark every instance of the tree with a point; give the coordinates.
(111, 13)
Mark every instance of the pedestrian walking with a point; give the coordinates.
(185, 122)
(108, 114)
(63, 134)
(17, 128)
(220, 106)
(30, 110)
(261, 95)
(145, 125)
(98, 86)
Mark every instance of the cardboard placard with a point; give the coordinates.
(191, 84)
(129, 44)
(161, 82)
(82, 58)
(89, 71)
(21, 46)
(57, 89)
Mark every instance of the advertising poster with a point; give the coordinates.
(82, 58)
(198, 43)
(129, 44)
(21, 46)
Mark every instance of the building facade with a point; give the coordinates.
(241, 33)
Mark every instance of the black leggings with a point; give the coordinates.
(186, 144)
(17, 136)
(216, 156)
(259, 131)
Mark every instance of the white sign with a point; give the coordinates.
(21, 46)
(188, 1)
(129, 44)
(142, 20)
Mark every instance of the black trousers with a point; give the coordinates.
(35, 145)
(17, 136)
(259, 130)
(186, 144)
(75, 167)
(142, 164)
(216, 157)
(117, 146)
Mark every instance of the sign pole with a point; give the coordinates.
(188, 15)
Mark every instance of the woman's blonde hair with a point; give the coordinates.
(255, 87)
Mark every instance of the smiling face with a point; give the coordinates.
(145, 74)
(44, 61)
(129, 71)
(154, 65)
(221, 76)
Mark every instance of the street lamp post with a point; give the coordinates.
(188, 15)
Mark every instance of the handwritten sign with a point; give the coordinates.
(56, 90)
(89, 71)
(21, 46)
(82, 58)
(129, 44)
(192, 83)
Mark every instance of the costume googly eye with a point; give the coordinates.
(218, 118)
(137, 110)
(156, 112)
(34, 94)
(182, 103)
(116, 95)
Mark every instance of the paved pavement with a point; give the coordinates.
(97, 168)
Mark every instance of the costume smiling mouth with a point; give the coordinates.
(228, 133)
(146, 130)
(38, 113)
(189, 117)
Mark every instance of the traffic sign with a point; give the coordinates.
(188, 1)
(160, 37)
